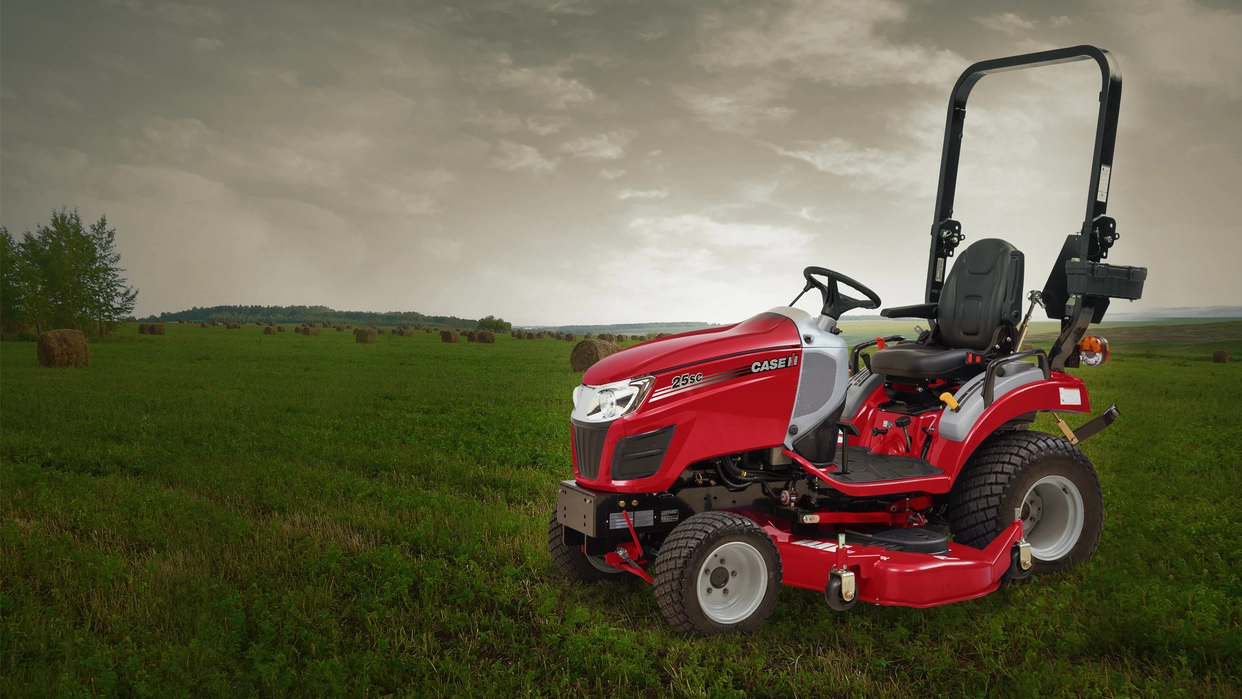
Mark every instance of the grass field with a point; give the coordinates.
(222, 513)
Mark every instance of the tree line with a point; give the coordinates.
(324, 314)
(63, 275)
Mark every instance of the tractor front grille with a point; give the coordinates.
(588, 449)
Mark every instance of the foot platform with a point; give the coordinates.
(868, 467)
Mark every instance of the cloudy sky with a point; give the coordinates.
(569, 161)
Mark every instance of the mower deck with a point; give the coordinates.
(888, 577)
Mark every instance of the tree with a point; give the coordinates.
(495, 324)
(65, 276)
(109, 300)
(13, 318)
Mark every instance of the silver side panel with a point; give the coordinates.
(955, 425)
(862, 385)
(822, 382)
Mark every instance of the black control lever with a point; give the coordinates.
(903, 422)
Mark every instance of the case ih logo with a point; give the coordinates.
(772, 364)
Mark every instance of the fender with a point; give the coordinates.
(1039, 396)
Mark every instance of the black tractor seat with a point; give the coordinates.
(981, 299)
(914, 361)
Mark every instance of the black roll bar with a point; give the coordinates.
(945, 232)
(994, 367)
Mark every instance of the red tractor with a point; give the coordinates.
(719, 464)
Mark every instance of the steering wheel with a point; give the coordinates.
(835, 302)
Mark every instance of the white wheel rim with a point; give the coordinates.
(601, 564)
(731, 596)
(1052, 517)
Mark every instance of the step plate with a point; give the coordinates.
(868, 467)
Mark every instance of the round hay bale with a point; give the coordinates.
(340, 328)
(59, 348)
(280, 328)
(530, 336)
(157, 329)
(485, 337)
(1220, 357)
(269, 330)
(587, 352)
(379, 330)
(270, 324)
(215, 323)
(142, 328)
(662, 335)
(568, 337)
(365, 336)
(587, 337)
(181, 321)
(559, 336)
(606, 337)
(621, 338)
(313, 331)
(426, 330)
(449, 336)
(349, 327)
(472, 336)
(203, 325)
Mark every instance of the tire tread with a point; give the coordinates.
(974, 513)
(670, 567)
(571, 562)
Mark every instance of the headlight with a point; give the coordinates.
(610, 401)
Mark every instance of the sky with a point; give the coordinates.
(572, 161)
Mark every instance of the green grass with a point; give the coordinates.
(222, 513)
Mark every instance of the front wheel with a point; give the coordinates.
(575, 564)
(717, 572)
(1053, 484)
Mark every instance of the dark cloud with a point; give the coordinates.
(565, 161)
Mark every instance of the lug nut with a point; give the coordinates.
(726, 590)
(733, 573)
(709, 590)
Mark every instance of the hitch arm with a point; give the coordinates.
(1092, 428)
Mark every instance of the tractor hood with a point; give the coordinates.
(765, 331)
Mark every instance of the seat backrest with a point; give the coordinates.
(984, 289)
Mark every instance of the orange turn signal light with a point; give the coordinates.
(1093, 350)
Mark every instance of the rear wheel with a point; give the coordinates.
(573, 563)
(717, 572)
(1050, 480)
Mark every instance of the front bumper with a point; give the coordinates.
(599, 519)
